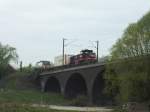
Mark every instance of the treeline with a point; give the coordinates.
(7, 54)
(128, 80)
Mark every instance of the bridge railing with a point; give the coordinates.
(67, 66)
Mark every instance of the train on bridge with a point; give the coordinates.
(84, 57)
(82, 76)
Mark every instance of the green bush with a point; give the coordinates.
(119, 109)
(80, 100)
(7, 54)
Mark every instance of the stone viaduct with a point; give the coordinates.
(73, 81)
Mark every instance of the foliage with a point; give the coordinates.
(127, 74)
(135, 42)
(28, 69)
(7, 54)
(81, 100)
(18, 81)
(119, 109)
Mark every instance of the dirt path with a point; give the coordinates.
(80, 109)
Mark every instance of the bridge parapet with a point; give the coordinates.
(70, 68)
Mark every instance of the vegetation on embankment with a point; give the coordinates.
(129, 79)
(7, 54)
(17, 88)
(31, 97)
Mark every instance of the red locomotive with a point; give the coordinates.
(85, 56)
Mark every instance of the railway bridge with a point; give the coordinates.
(78, 80)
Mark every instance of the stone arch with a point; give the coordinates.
(53, 85)
(75, 86)
(98, 96)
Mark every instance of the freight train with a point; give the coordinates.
(84, 57)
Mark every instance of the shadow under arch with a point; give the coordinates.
(75, 86)
(52, 85)
(99, 98)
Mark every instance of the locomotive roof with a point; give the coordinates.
(87, 50)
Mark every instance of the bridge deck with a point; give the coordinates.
(64, 69)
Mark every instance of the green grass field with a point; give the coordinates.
(14, 107)
(16, 91)
(31, 97)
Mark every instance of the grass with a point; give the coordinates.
(17, 90)
(31, 97)
(119, 110)
(14, 107)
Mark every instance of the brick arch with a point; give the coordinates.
(75, 86)
(52, 85)
(98, 96)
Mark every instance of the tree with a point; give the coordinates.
(7, 54)
(134, 42)
(128, 75)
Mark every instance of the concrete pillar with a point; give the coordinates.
(43, 84)
(89, 94)
(62, 90)
(63, 81)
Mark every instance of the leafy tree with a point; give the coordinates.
(28, 69)
(134, 42)
(7, 54)
(127, 74)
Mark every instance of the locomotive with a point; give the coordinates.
(85, 56)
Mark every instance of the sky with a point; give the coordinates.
(36, 27)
